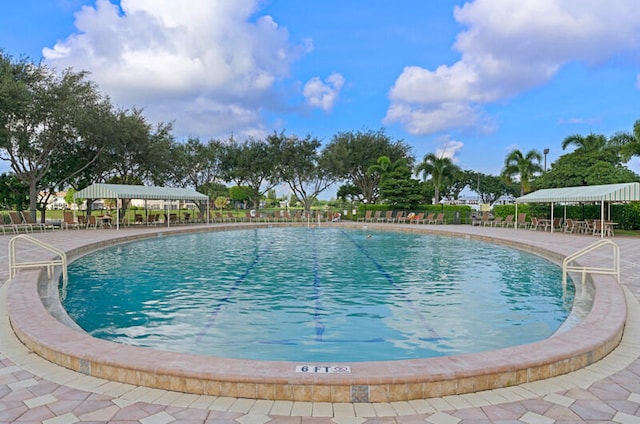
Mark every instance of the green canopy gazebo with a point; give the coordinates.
(606, 193)
(123, 191)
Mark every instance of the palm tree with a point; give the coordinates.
(629, 142)
(591, 143)
(439, 168)
(525, 166)
(384, 167)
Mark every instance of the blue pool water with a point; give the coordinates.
(326, 294)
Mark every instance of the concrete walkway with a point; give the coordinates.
(33, 390)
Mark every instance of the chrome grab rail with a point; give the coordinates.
(50, 264)
(614, 270)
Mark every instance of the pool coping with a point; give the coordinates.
(592, 339)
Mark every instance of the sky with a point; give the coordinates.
(471, 80)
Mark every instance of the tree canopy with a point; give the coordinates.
(439, 168)
(350, 154)
(523, 166)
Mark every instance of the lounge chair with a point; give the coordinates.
(366, 217)
(497, 221)
(430, 218)
(398, 216)
(28, 219)
(18, 223)
(417, 219)
(388, 216)
(508, 221)
(405, 219)
(440, 219)
(6, 226)
(522, 221)
(484, 220)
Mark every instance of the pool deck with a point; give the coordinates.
(35, 390)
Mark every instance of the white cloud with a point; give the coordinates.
(209, 65)
(323, 95)
(507, 48)
(449, 148)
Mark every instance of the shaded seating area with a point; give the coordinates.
(603, 195)
(122, 192)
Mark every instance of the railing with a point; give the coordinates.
(614, 270)
(50, 264)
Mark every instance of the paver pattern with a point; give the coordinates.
(33, 390)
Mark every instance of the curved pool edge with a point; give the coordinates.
(597, 335)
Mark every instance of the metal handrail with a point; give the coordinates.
(50, 264)
(614, 270)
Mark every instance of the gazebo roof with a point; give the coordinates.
(626, 192)
(122, 191)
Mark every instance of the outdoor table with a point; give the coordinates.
(605, 227)
(545, 223)
(106, 220)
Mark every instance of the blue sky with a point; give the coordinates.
(469, 79)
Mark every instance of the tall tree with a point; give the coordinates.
(139, 152)
(301, 166)
(42, 115)
(439, 168)
(580, 168)
(489, 187)
(252, 164)
(195, 163)
(384, 167)
(629, 142)
(590, 143)
(350, 154)
(522, 166)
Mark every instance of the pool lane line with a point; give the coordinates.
(317, 292)
(389, 277)
(295, 342)
(225, 300)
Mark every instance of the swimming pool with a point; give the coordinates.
(306, 294)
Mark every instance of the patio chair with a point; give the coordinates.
(569, 225)
(440, 219)
(431, 216)
(92, 222)
(69, 221)
(497, 221)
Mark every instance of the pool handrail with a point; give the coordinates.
(614, 270)
(14, 265)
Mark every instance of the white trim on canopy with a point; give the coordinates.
(123, 191)
(625, 192)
